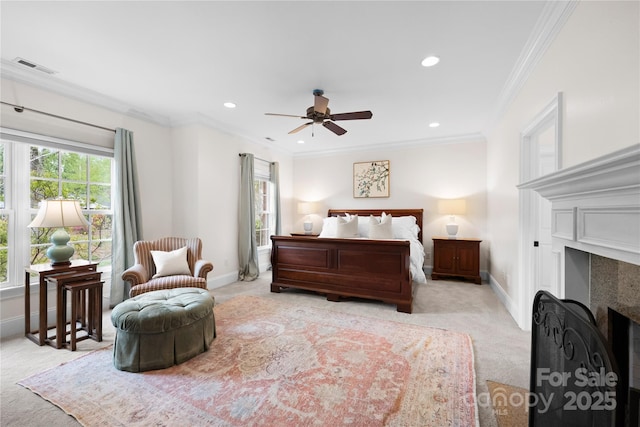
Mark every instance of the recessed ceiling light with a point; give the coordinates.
(430, 61)
(434, 124)
(229, 105)
(300, 141)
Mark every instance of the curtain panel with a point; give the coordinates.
(247, 246)
(127, 227)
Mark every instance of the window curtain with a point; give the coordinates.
(247, 245)
(274, 173)
(126, 214)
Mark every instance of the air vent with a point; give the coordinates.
(33, 65)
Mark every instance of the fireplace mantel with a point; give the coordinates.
(596, 205)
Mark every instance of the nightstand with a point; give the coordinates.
(459, 258)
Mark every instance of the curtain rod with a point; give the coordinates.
(257, 158)
(20, 109)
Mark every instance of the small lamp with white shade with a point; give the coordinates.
(59, 213)
(307, 208)
(452, 207)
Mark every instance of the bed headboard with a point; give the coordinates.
(417, 213)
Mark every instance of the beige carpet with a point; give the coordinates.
(501, 349)
(509, 404)
(275, 363)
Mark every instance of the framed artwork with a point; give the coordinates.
(371, 179)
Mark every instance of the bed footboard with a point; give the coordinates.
(373, 269)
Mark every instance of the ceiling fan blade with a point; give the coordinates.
(283, 115)
(356, 115)
(299, 128)
(320, 104)
(334, 128)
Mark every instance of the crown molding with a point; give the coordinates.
(199, 119)
(12, 71)
(398, 145)
(552, 19)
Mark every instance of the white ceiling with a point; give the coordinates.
(178, 62)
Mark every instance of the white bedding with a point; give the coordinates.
(404, 228)
(417, 261)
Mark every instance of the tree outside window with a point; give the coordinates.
(72, 175)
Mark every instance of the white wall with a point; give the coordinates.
(594, 62)
(420, 176)
(152, 142)
(188, 176)
(206, 187)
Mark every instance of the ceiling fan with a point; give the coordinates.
(321, 114)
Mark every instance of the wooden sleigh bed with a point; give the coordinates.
(363, 268)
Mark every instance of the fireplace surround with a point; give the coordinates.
(595, 213)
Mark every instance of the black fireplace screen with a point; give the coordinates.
(573, 374)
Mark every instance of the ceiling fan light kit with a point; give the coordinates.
(321, 114)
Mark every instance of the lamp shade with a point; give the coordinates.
(452, 207)
(306, 208)
(59, 213)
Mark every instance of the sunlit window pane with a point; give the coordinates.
(78, 176)
(100, 170)
(74, 166)
(44, 162)
(99, 196)
(101, 226)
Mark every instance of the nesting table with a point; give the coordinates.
(79, 277)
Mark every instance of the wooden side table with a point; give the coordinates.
(456, 258)
(86, 306)
(39, 336)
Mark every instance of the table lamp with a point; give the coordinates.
(306, 208)
(452, 207)
(59, 213)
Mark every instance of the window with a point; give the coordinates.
(44, 171)
(264, 203)
(5, 221)
(72, 175)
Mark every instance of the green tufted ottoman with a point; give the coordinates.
(159, 329)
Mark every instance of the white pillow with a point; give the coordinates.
(363, 226)
(380, 229)
(329, 227)
(171, 263)
(347, 228)
(405, 227)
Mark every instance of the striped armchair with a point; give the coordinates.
(140, 275)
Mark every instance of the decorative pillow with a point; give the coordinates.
(171, 263)
(380, 229)
(363, 226)
(329, 227)
(405, 227)
(347, 228)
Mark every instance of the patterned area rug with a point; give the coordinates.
(276, 364)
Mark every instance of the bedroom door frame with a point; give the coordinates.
(535, 211)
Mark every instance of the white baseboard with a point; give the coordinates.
(222, 280)
(13, 327)
(505, 299)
